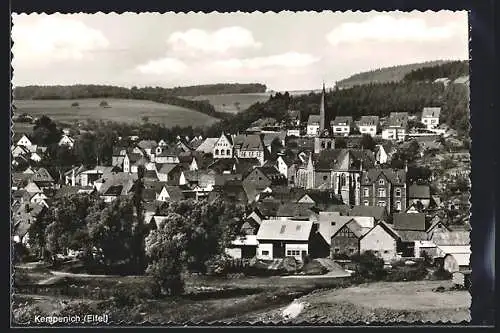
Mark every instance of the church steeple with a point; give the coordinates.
(322, 115)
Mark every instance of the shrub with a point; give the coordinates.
(369, 266)
(218, 265)
(441, 274)
(167, 276)
(408, 273)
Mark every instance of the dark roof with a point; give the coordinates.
(222, 179)
(412, 235)
(268, 207)
(252, 142)
(147, 144)
(150, 174)
(167, 168)
(409, 221)
(293, 209)
(419, 191)
(114, 190)
(341, 120)
(368, 121)
(373, 211)
(352, 225)
(342, 209)
(394, 176)
(134, 157)
(323, 197)
(313, 119)
(228, 137)
(398, 119)
(245, 165)
(174, 192)
(344, 159)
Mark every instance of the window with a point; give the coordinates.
(325, 177)
(381, 182)
(398, 205)
(381, 192)
(366, 192)
(333, 223)
(433, 121)
(216, 151)
(337, 250)
(222, 152)
(351, 250)
(228, 152)
(265, 253)
(381, 203)
(366, 203)
(323, 144)
(293, 253)
(386, 251)
(397, 193)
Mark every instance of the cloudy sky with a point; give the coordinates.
(286, 51)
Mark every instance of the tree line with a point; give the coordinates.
(382, 75)
(115, 239)
(371, 99)
(451, 70)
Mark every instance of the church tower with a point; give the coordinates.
(322, 114)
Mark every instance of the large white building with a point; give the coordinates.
(430, 117)
(368, 125)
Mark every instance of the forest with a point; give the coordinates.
(384, 75)
(451, 70)
(104, 91)
(371, 99)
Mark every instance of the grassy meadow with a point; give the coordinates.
(231, 103)
(120, 110)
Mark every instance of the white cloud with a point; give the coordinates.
(289, 60)
(218, 41)
(53, 38)
(388, 28)
(162, 66)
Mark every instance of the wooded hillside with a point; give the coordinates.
(385, 75)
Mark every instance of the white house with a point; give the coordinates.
(293, 132)
(223, 148)
(66, 141)
(368, 125)
(313, 125)
(24, 141)
(341, 126)
(382, 240)
(19, 151)
(395, 128)
(35, 157)
(284, 238)
(430, 117)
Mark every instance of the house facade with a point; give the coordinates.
(280, 239)
(382, 240)
(368, 125)
(345, 241)
(223, 148)
(385, 188)
(430, 117)
(252, 147)
(313, 124)
(395, 128)
(341, 126)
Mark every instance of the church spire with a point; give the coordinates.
(322, 111)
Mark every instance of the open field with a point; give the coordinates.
(207, 299)
(121, 110)
(377, 302)
(231, 103)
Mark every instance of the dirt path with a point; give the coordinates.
(374, 302)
